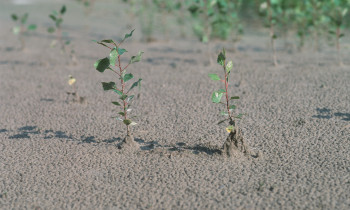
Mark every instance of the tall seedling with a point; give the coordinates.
(234, 141)
(22, 29)
(267, 8)
(123, 91)
(61, 37)
(338, 9)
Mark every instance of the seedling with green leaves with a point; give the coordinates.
(22, 29)
(269, 9)
(338, 9)
(124, 92)
(235, 139)
(61, 37)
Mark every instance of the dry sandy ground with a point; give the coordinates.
(56, 154)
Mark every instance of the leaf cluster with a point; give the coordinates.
(23, 24)
(57, 17)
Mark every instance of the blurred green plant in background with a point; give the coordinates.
(22, 29)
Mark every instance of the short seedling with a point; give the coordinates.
(76, 98)
(113, 63)
(235, 140)
(61, 37)
(22, 29)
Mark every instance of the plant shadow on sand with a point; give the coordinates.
(25, 132)
(325, 113)
(179, 147)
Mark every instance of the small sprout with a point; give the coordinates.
(76, 97)
(71, 80)
(113, 63)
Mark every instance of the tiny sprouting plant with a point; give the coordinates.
(235, 140)
(229, 111)
(124, 92)
(76, 98)
(21, 29)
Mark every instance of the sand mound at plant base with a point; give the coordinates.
(128, 144)
(236, 147)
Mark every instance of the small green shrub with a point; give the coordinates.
(113, 63)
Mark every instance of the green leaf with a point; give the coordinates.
(216, 97)
(127, 122)
(239, 116)
(53, 17)
(116, 103)
(221, 59)
(24, 18)
(118, 92)
(14, 17)
(102, 64)
(234, 97)
(229, 66)
(16, 30)
(341, 35)
(230, 128)
(128, 35)
(128, 77)
(58, 22)
(63, 9)
(221, 91)
(32, 27)
(224, 113)
(136, 58)
(108, 85)
(135, 84)
(129, 98)
(113, 55)
(232, 107)
(214, 77)
(108, 41)
(51, 29)
(121, 51)
(123, 97)
(121, 113)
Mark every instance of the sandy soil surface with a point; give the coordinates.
(56, 154)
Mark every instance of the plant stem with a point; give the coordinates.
(338, 46)
(272, 32)
(227, 98)
(125, 104)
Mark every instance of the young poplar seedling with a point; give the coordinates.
(61, 37)
(123, 90)
(234, 141)
(268, 8)
(337, 16)
(22, 29)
